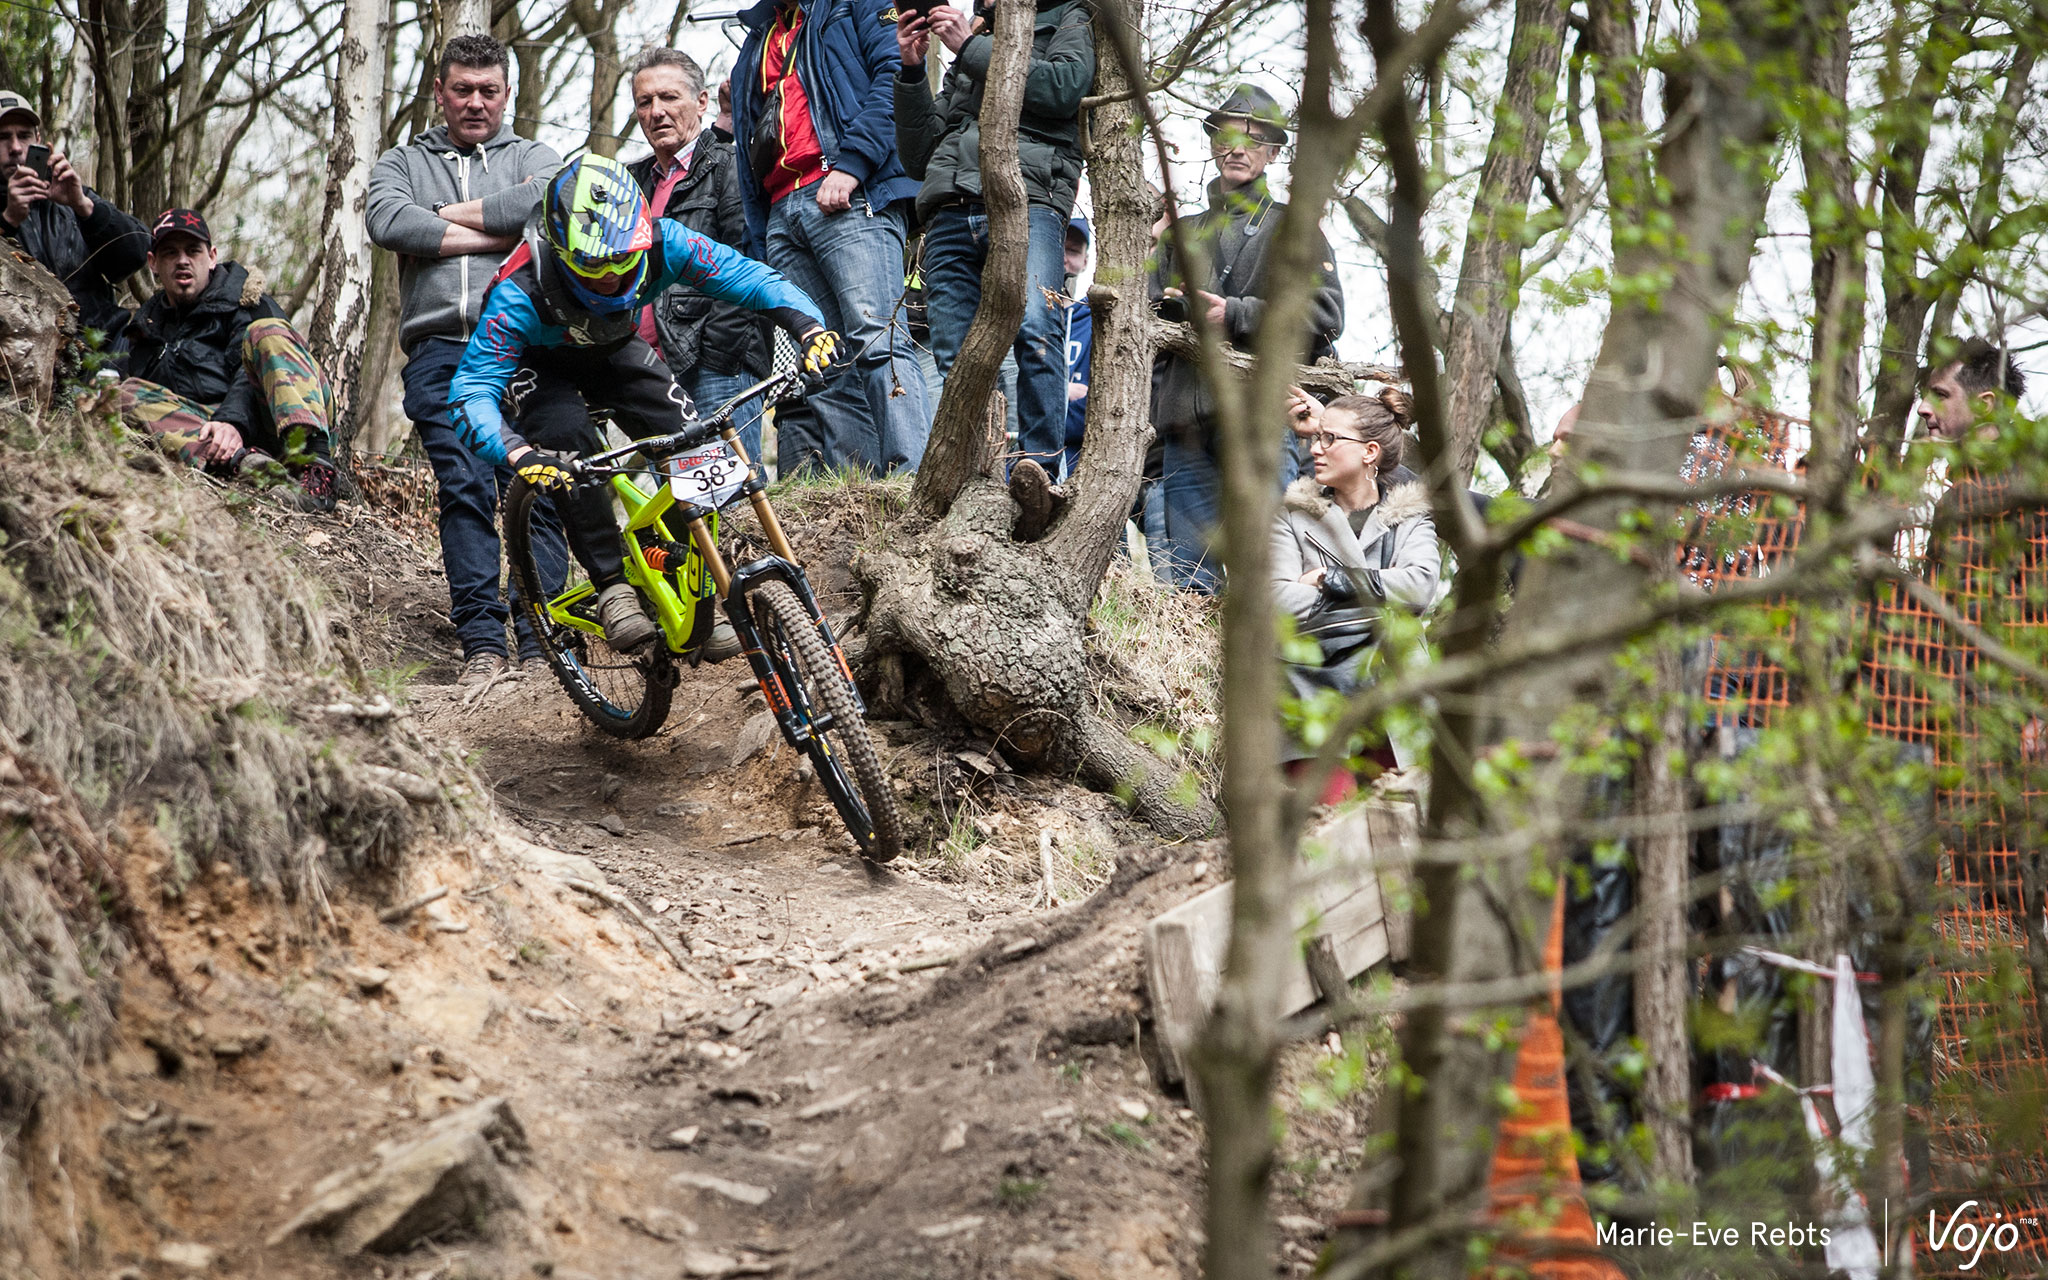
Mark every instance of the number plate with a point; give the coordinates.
(709, 477)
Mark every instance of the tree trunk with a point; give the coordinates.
(188, 144)
(599, 25)
(1836, 233)
(1663, 977)
(380, 360)
(37, 319)
(113, 74)
(73, 134)
(341, 317)
(954, 452)
(1656, 364)
(956, 603)
(1489, 281)
(148, 187)
(469, 18)
(1234, 1056)
(1904, 125)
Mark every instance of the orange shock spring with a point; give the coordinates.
(663, 557)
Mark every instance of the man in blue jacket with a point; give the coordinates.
(826, 200)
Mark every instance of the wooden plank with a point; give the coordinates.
(1183, 966)
(1340, 905)
(1396, 835)
(1343, 900)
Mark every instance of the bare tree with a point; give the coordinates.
(1489, 278)
(597, 21)
(341, 317)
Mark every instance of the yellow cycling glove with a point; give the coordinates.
(544, 471)
(821, 350)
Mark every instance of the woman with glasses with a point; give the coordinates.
(1351, 541)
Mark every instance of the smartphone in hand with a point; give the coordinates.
(38, 161)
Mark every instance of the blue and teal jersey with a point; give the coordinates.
(512, 322)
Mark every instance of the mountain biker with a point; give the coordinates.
(558, 335)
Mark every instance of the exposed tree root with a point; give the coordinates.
(988, 617)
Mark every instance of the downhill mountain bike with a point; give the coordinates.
(674, 485)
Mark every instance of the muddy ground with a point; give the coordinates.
(923, 1070)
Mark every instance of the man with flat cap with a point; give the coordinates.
(62, 223)
(1236, 235)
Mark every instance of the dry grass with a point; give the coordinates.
(160, 655)
(1156, 666)
(168, 685)
(847, 506)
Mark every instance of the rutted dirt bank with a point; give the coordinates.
(923, 1070)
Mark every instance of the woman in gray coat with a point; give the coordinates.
(1352, 540)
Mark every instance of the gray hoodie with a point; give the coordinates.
(441, 297)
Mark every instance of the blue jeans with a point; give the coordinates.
(469, 490)
(709, 389)
(1188, 511)
(873, 415)
(955, 251)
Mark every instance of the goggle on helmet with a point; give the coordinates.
(596, 220)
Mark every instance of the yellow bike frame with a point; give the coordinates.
(702, 575)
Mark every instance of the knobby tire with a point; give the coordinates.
(797, 650)
(625, 696)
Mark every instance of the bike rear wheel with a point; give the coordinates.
(626, 696)
(840, 748)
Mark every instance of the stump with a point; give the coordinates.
(38, 323)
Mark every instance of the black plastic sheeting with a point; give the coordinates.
(1732, 1126)
(1599, 1016)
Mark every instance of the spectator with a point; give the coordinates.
(218, 374)
(940, 141)
(1350, 540)
(721, 128)
(1080, 342)
(1561, 438)
(1236, 234)
(65, 225)
(1966, 392)
(827, 206)
(451, 203)
(715, 350)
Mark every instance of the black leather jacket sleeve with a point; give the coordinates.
(1343, 585)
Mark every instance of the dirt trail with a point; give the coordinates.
(915, 1071)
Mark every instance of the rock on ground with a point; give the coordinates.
(447, 1180)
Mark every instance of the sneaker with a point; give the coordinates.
(316, 487)
(480, 669)
(627, 627)
(724, 642)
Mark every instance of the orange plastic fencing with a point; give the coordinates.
(1924, 683)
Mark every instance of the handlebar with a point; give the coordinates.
(775, 386)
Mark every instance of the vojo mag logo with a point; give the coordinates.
(1972, 1235)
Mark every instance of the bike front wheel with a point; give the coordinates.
(823, 697)
(624, 695)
